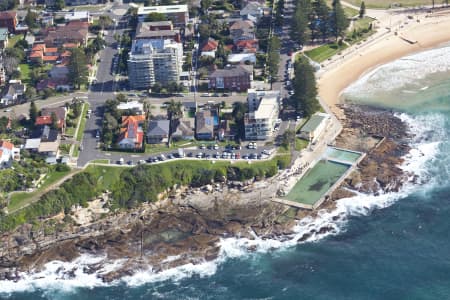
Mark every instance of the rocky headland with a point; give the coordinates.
(187, 226)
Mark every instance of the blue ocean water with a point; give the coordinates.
(393, 246)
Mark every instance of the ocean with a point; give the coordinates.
(391, 246)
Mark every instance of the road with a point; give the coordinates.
(101, 90)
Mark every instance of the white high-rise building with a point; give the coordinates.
(264, 107)
(154, 61)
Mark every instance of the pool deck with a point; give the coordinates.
(310, 159)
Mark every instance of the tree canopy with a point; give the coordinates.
(305, 96)
(78, 71)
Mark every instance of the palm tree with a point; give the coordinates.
(174, 112)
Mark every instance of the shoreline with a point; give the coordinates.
(431, 33)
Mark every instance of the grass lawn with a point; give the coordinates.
(81, 128)
(19, 200)
(106, 176)
(100, 161)
(13, 40)
(387, 3)
(25, 73)
(350, 12)
(300, 144)
(324, 52)
(362, 23)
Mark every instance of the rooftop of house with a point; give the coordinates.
(158, 127)
(45, 134)
(251, 7)
(59, 111)
(185, 127)
(210, 45)
(204, 121)
(132, 119)
(163, 9)
(231, 71)
(130, 105)
(6, 145)
(267, 107)
(242, 25)
(7, 15)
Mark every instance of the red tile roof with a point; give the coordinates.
(130, 129)
(47, 120)
(7, 145)
(6, 15)
(211, 45)
(50, 58)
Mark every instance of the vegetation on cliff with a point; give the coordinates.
(130, 187)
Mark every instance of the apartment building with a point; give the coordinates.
(178, 14)
(264, 108)
(154, 61)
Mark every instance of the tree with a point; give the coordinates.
(238, 113)
(30, 93)
(78, 71)
(322, 13)
(8, 4)
(121, 98)
(362, 9)
(31, 19)
(54, 119)
(155, 17)
(33, 112)
(205, 5)
(340, 20)
(59, 4)
(174, 112)
(273, 57)
(305, 96)
(105, 21)
(300, 22)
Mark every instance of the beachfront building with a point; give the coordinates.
(178, 14)
(264, 108)
(154, 61)
(314, 127)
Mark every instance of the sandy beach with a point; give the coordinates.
(428, 33)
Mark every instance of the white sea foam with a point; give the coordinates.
(404, 72)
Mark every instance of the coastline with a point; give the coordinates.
(202, 243)
(430, 33)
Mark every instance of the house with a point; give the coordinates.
(314, 127)
(55, 84)
(8, 19)
(135, 107)
(44, 140)
(240, 58)
(247, 46)
(14, 93)
(264, 108)
(232, 78)
(3, 38)
(131, 132)
(73, 32)
(82, 16)
(178, 14)
(210, 48)
(47, 20)
(8, 153)
(49, 55)
(224, 132)
(242, 30)
(253, 11)
(184, 129)
(157, 30)
(158, 131)
(59, 71)
(204, 125)
(46, 117)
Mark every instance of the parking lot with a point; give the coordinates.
(213, 152)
